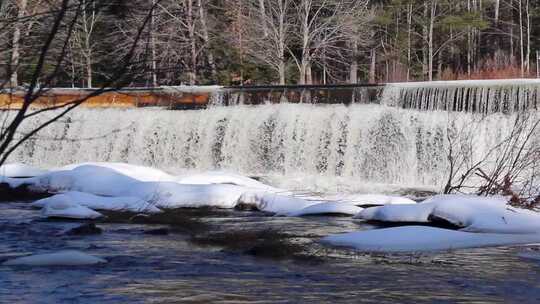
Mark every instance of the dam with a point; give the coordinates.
(316, 146)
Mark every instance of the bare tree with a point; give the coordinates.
(59, 21)
(84, 39)
(324, 28)
(510, 167)
(269, 33)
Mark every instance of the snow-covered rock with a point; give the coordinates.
(68, 209)
(327, 208)
(397, 213)
(19, 170)
(95, 202)
(280, 205)
(215, 177)
(175, 195)
(421, 238)
(60, 258)
(140, 173)
(472, 213)
(104, 181)
(86, 178)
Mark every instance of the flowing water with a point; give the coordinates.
(315, 148)
(324, 148)
(146, 268)
(473, 96)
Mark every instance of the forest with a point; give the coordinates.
(259, 42)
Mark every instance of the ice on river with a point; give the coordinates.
(421, 238)
(60, 258)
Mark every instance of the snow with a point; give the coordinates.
(216, 177)
(95, 202)
(371, 199)
(472, 213)
(421, 238)
(140, 173)
(68, 209)
(327, 208)
(174, 195)
(60, 258)
(280, 205)
(104, 181)
(19, 170)
(397, 213)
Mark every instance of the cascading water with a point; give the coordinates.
(475, 96)
(314, 147)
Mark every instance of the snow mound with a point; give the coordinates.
(327, 208)
(85, 178)
(471, 213)
(68, 209)
(104, 181)
(174, 195)
(140, 173)
(95, 202)
(421, 238)
(60, 258)
(19, 170)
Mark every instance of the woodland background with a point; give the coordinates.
(249, 42)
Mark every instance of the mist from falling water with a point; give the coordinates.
(312, 147)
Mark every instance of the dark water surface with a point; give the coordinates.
(146, 268)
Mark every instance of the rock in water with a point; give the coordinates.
(85, 229)
(60, 258)
(159, 231)
(69, 210)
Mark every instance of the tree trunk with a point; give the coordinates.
(353, 72)
(281, 71)
(87, 42)
(425, 37)
(409, 33)
(206, 37)
(309, 75)
(521, 42)
(15, 51)
(528, 55)
(302, 73)
(262, 11)
(431, 27)
(89, 70)
(153, 45)
(353, 75)
(192, 43)
(469, 43)
(439, 64)
(497, 6)
(372, 66)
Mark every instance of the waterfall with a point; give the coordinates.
(356, 144)
(478, 96)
